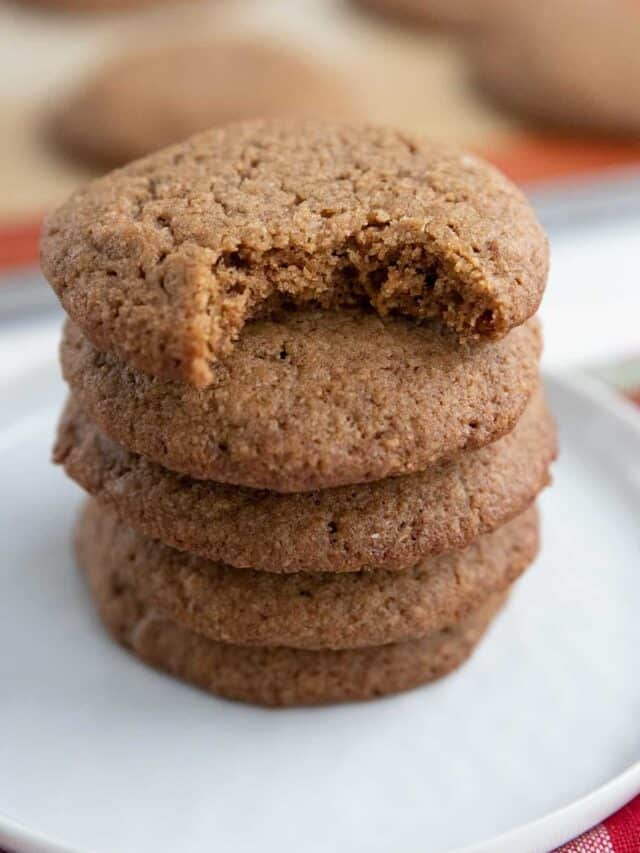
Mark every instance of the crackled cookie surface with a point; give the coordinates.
(391, 524)
(165, 261)
(315, 399)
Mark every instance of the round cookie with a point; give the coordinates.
(314, 399)
(569, 63)
(163, 262)
(448, 13)
(353, 610)
(278, 676)
(82, 6)
(144, 101)
(390, 524)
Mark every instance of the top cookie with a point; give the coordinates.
(163, 262)
(146, 100)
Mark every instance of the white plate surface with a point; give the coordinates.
(536, 737)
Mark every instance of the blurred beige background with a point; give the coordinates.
(409, 77)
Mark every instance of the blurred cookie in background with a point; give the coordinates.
(82, 6)
(566, 63)
(447, 13)
(145, 101)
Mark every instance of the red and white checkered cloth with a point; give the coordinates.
(619, 833)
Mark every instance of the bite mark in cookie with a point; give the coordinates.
(165, 261)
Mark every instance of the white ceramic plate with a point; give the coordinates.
(537, 737)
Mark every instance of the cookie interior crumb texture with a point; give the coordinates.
(164, 261)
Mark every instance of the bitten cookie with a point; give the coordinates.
(390, 524)
(146, 100)
(315, 399)
(570, 63)
(164, 261)
(279, 676)
(316, 611)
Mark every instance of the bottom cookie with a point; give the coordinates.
(279, 676)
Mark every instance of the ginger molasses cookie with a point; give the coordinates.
(390, 524)
(92, 6)
(332, 611)
(314, 399)
(447, 13)
(279, 676)
(146, 100)
(569, 63)
(163, 262)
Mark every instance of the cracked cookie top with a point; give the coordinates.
(165, 261)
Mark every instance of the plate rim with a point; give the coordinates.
(539, 835)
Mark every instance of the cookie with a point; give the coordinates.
(568, 63)
(146, 100)
(316, 611)
(163, 262)
(315, 399)
(279, 676)
(391, 524)
(447, 13)
(96, 5)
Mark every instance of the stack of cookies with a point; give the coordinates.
(305, 403)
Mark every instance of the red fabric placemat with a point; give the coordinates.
(619, 833)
